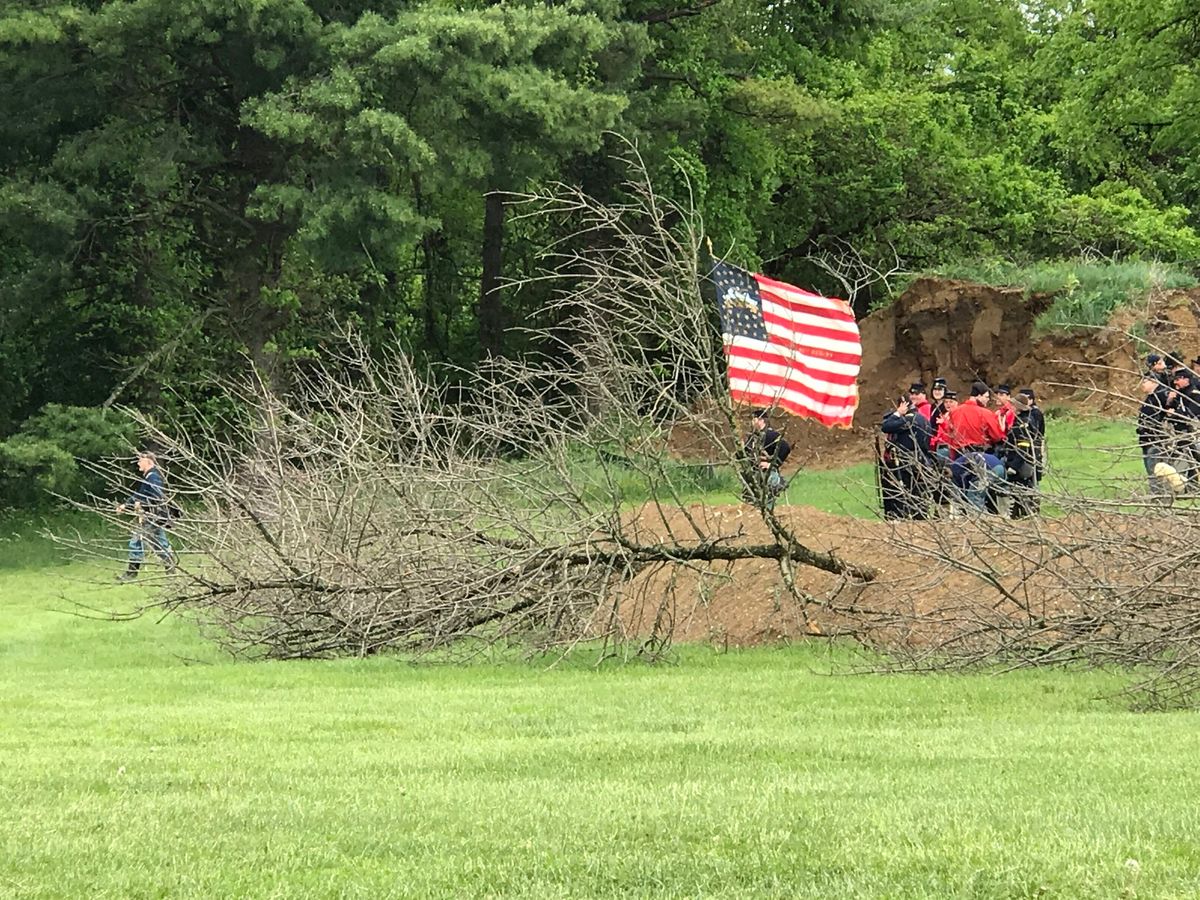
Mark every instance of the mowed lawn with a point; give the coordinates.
(136, 762)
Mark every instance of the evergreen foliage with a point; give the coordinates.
(186, 187)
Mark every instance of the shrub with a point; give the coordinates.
(86, 433)
(83, 431)
(1116, 220)
(32, 470)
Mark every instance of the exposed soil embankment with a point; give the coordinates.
(963, 331)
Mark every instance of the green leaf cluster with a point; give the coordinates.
(61, 450)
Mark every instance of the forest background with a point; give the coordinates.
(189, 186)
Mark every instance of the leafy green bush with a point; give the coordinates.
(88, 434)
(1116, 220)
(32, 470)
(83, 431)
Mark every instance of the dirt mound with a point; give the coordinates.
(965, 332)
(914, 594)
(954, 329)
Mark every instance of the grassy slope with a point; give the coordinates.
(127, 771)
(1086, 294)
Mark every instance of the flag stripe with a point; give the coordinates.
(799, 294)
(791, 404)
(837, 313)
(782, 377)
(770, 360)
(837, 341)
(839, 363)
(802, 321)
(816, 395)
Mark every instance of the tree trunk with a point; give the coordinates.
(491, 308)
(438, 289)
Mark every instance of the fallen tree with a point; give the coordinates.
(368, 511)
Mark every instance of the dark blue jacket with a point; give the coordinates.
(1152, 417)
(1037, 422)
(1022, 448)
(148, 491)
(909, 432)
(770, 442)
(1183, 410)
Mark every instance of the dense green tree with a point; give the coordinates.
(1124, 81)
(420, 125)
(128, 158)
(188, 184)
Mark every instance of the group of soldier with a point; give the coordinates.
(945, 455)
(1169, 425)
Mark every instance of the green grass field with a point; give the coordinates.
(139, 763)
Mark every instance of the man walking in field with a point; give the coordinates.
(148, 503)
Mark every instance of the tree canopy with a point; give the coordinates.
(190, 185)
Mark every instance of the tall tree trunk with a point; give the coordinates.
(491, 306)
(255, 321)
(437, 292)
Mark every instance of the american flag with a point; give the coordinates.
(787, 347)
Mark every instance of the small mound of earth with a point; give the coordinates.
(747, 602)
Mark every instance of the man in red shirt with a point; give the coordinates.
(972, 426)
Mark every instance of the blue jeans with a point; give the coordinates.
(977, 475)
(157, 536)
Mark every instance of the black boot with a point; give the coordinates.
(131, 573)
